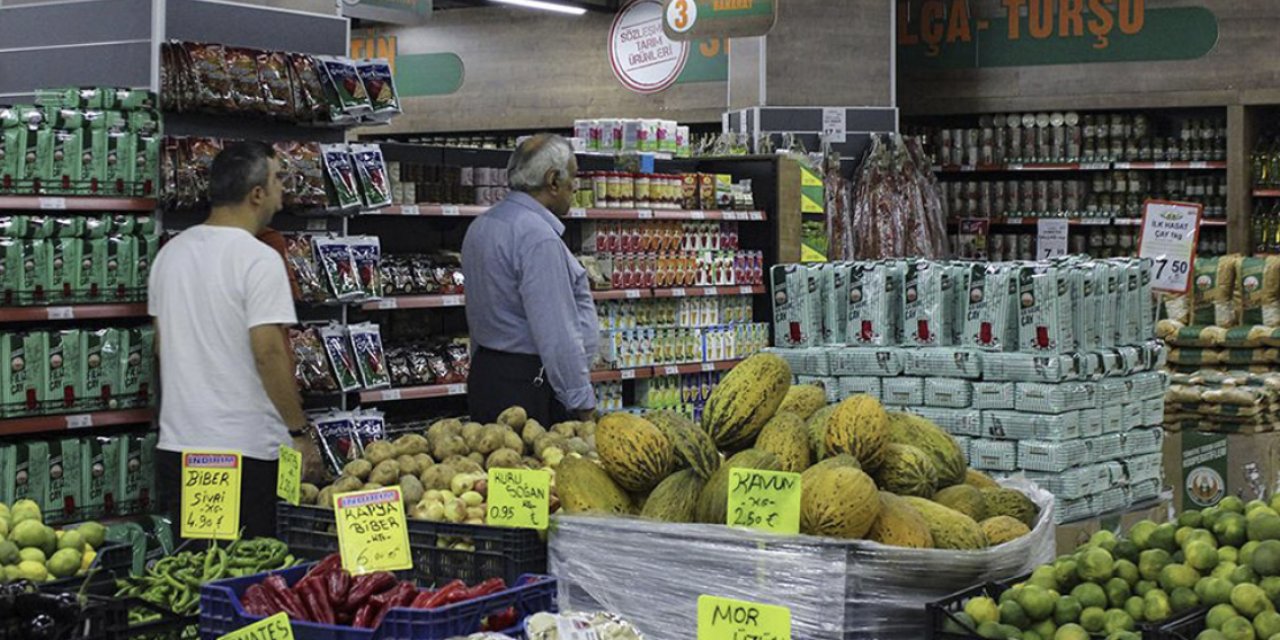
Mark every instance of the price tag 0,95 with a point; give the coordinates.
(372, 535)
(289, 476)
(211, 495)
(764, 500)
(726, 619)
(519, 498)
(275, 627)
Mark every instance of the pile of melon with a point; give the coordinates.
(866, 473)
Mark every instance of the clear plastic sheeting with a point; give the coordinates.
(651, 574)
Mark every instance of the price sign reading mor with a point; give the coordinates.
(1170, 231)
(372, 535)
(211, 495)
(727, 619)
(519, 498)
(276, 627)
(289, 476)
(764, 500)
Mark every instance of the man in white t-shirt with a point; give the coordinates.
(220, 299)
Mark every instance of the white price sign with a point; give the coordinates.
(1169, 234)
(1051, 238)
(835, 125)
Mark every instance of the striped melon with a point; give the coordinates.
(965, 499)
(948, 459)
(899, 524)
(979, 480)
(859, 428)
(674, 499)
(745, 399)
(694, 448)
(713, 501)
(803, 400)
(842, 460)
(817, 428)
(1002, 529)
(634, 452)
(950, 528)
(583, 487)
(907, 471)
(1012, 503)
(784, 436)
(838, 501)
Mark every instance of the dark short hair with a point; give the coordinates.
(239, 168)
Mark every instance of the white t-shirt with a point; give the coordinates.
(208, 287)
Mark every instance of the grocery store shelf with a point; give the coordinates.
(73, 312)
(1078, 166)
(75, 203)
(622, 294)
(696, 367)
(1086, 222)
(1266, 193)
(414, 393)
(696, 292)
(471, 211)
(434, 210)
(1163, 166)
(40, 424)
(415, 302)
(445, 301)
(622, 374)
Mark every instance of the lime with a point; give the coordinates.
(1247, 551)
(1117, 620)
(1140, 533)
(31, 554)
(1250, 600)
(1190, 518)
(1127, 571)
(1228, 554)
(1244, 574)
(1124, 635)
(1271, 586)
(1011, 593)
(1104, 539)
(1067, 610)
(982, 610)
(1183, 599)
(1095, 565)
(64, 563)
(1201, 555)
(1090, 595)
(24, 510)
(1202, 535)
(1126, 550)
(1045, 577)
(11, 573)
(1209, 516)
(1133, 607)
(1180, 536)
(94, 533)
(1045, 628)
(1151, 561)
(1211, 634)
(1071, 632)
(1037, 602)
(33, 571)
(1214, 591)
(1224, 570)
(8, 552)
(991, 631)
(1265, 559)
(1093, 619)
(1275, 502)
(28, 533)
(1011, 613)
(1065, 573)
(1238, 629)
(1173, 576)
(1143, 587)
(71, 540)
(1267, 624)
(1218, 615)
(1163, 537)
(1117, 591)
(1028, 634)
(959, 623)
(1231, 529)
(1156, 607)
(1231, 503)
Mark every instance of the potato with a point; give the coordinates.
(587, 429)
(531, 462)
(379, 451)
(531, 432)
(471, 433)
(450, 446)
(468, 464)
(504, 459)
(409, 444)
(386, 473)
(408, 465)
(566, 429)
(449, 427)
(424, 461)
(370, 486)
(476, 458)
(346, 483)
(513, 417)
(438, 477)
(307, 493)
(411, 489)
(578, 445)
(511, 440)
(549, 440)
(324, 499)
(491, 439)
(358, 468)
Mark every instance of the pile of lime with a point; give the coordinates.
(30, 550)
(1224, 560)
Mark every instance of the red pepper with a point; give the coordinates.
(343, 618)
(420, 600)
(365, 586)
(278, 592)
(337, 584)
(445, 594)
(401, 596)
(364, 617)
(316, 597)
(330, 563)
(256, 602)
(501, 621)
(486, 588)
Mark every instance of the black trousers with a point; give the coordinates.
(257, 493)
(499, 380)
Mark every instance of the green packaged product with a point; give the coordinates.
(39, 162)
(146, 171)
(137, 473)
(100, 366)
(10, 270)
(19, 475)
(91, 271)
(64, 270)
(121, 263)
(145, 250)
(137, 353)
(63, 371)
(64, 483)
(100, 465)
(23, 372)
(35, 278)
(14, 165)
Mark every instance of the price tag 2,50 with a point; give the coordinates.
(764, 500)
(276, 627)
(519, 498)
(727, 619)
(211, 495)
(289, 475)
(372, 535)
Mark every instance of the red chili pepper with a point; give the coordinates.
(364, 617)
(501, 621)
(344, 618)
(329, 563)
(315, 598)
(486, 588)
(280, 595)
(337, 584)
(420, 600)
(392, 599)
(256, 602)
(444, 594)
(368, 585)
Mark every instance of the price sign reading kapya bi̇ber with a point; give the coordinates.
(726, 619)
(519, 498)
(275, 627)
(211, 495)
(289, 476)
(764, 500)
(371, 531)
(1170, 231)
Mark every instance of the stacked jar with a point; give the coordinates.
(622, 190)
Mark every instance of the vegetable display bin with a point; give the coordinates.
(167, 626)
(499, 552)
(114, 560)
(221, 611)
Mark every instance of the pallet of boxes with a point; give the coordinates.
(1223, 400)
(1046, 369)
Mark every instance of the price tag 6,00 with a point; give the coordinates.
(519, 498)
(727, 619)
(764, 500)
(372, 535)
(211, 495)
(276, 627)
(289, 476)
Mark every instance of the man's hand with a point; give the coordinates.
(585, 415)
(313, 469)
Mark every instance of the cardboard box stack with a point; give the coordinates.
(1044, 368)
(74, 479)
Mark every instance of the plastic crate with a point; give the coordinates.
(166, 625)
(114, 561)
(221, 611)
(93, 623)
(499, 552)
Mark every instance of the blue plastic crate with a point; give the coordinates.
(222, 613)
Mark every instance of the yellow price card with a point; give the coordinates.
(726, 619)
(764, 500)
(519, 498)
(275, 627)
(371, 531)
(211, 495)
(289, 476)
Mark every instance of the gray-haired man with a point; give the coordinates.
(529, 310)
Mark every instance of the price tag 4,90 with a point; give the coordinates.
(275, 627)
(372, 535)
(727, 619)
(519, 498)
(764, 500)
(211, 495)
(289, 475)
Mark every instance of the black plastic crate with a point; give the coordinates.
(113, 562)
(499, 552)
(161, 624)
(93, 623)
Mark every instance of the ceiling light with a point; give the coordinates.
(545, 6)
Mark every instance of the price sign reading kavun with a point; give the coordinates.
(644, 59)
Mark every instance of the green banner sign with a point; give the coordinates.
(943, 34)
(697, 19)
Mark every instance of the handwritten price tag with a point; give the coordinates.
(211, 495)
(289, 475)
(726, 619)
(276, 627)
(519, 498)
(764, 500)
(371, 531)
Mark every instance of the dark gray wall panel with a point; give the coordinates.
(63, 23)
(249, 26)
(122, 65)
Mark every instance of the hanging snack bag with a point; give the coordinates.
(273, 82)
(334, 257)
(344, 187)
(242, 68)
(380, 87)
(340, 358)
(366, 251)
(371, 426)
(344, 90)
(366, 341)
(311, 369)
(307, 90)
(335, 435)
(210, 78)
(375, 187)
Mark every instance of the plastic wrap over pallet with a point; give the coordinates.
(651, 574)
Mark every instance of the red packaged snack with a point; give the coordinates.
(308, 92)
(273, 82)
(242, 68)
(210, 78)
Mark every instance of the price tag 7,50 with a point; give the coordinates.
(519, 498)
(764, 500)
(276, 627)
(289, 475)
(727, 619)
(211, 495)
(372, 535)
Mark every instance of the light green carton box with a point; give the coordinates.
(63, 371)
(137, 473)
(63, 483)
(101, 473)
(22, 369)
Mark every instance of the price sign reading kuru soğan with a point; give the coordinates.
(211, 495)
(764, 500)
(519, 498)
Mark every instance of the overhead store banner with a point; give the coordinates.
(697, 19)
(945, 34)
(644, 60)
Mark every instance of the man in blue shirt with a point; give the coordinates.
(529, 310)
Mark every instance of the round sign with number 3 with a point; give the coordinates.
(681, 15)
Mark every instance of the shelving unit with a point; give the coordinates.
(1084, 222)
(45, 424)
(1083, 166)
(73, 312)
(471, 211)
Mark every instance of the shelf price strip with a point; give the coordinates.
(211, 495)
(372, 535)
